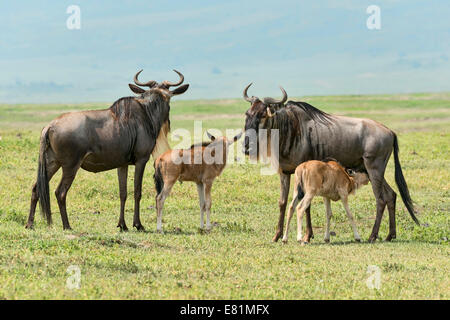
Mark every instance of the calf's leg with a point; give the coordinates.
(328, 213)
(306, 202)
(201, 199)
(208, 201)
(160, 198)
(350, 218)
(292, 207)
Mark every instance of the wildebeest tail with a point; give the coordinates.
(157, 177)
(401, 184)
(42, 178)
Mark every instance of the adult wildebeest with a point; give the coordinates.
(307, 133)
(329, 180)
(125, 134)
(182, 165)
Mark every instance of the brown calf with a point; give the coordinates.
(329, 180)
(201, 163)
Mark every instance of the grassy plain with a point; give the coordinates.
(237, 259)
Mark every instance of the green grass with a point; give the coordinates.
(236, 259)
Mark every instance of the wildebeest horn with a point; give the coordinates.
(170, 84)
(273, 101)
(269, 113)
(245, 93)
(150, 83)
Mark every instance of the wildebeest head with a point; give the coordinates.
(256, 117)
(161, 88)
(155, 102)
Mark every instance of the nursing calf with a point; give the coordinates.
(201, 163)
(329, 180)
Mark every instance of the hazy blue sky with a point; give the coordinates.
(309, 47)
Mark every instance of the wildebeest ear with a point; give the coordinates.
(179, 90)
(210, 136)
(136, 89)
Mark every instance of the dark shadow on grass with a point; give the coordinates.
(378, 242)
(170, 232)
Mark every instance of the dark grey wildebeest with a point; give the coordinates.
(307, 133)
(127, 133)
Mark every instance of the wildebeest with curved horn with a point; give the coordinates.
(127, 133)
(307, 133)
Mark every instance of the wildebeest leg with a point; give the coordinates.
(201, 200)
(52, 168)
(328, 213)
(285, 181)
(122, 175)
(160, 198)
(208, 186)
(68, 176)
(390, 197)
(350, 218)
(291, 209)
(138, 175)
(309, 231)
(306, 202)
(375, 168)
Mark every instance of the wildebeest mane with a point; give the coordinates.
(130, 111)
(288, 124)
(314, 113)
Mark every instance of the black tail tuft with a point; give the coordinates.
(42, 179)
(401, 184)
(159, 182)
(300, 193)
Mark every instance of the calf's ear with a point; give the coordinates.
(350, 172)
(237, 137)
(136, 89)
(210, 136)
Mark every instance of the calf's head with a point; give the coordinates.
(217, 150)
(359, 178)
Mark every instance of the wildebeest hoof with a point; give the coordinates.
(326, 240)
(139, 227)
(123, 227)
(358, 240)
(277, 237)
(390, 237)
(29, 226)
(303, 243)
(284, 240)
(372, 239)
